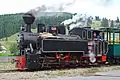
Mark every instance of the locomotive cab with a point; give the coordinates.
(97, 33)
(86, 33)
(80, 32)
(98, 47)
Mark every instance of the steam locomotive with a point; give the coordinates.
(51, 47)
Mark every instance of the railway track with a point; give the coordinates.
(50, 68)
(58, 68)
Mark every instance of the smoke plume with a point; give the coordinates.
(81, 7)
(53, 8)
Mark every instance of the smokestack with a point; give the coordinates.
(28, 19)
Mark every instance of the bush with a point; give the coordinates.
(13, 48)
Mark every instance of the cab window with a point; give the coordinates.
(89, 35)
(83, 34)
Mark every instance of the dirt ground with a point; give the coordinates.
(9, 72)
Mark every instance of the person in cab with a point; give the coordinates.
(95, 36)
(99, 37)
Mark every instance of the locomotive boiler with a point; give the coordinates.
(51, 47)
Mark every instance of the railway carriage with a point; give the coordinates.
(51, 47)
(112, 35)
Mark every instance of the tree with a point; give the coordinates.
(117, 21)
(13, 48)
(112, 24)
(89, 21)
(10, 24)
(104, 22)
(97, 18)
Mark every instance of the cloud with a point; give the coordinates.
(103, 8)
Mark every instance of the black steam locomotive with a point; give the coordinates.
(50, 46)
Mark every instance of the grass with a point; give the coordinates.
(12, 37)
(7, 44)
(7, 66)
(11, 40)
(4, 54)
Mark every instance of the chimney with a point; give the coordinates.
(28, 19)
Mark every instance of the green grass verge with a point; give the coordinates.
(12, 37)
(7, 44)
(4, 54)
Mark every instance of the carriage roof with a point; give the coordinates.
(88, 29)
(110, 29)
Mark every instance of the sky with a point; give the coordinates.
(102, 8)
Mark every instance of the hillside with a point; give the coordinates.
(40, 14)
(52, 18)
(11, 44)
(11, 23)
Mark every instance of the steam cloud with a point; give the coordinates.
(75, 21)
(78, 20)
(53, 8)
(69, 6)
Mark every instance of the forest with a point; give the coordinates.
(11, 23)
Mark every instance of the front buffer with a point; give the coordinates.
(20, 62)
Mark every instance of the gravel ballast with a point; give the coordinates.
(9, 72)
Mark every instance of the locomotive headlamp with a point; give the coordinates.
(92, 57)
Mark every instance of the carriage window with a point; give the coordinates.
(105, 36)
(89, 35)
(83, 34)
(111, 36)
(116, 36)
